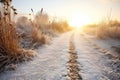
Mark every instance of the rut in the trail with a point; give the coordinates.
(72, 63)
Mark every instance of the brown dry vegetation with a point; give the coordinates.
(104, 30)
(39, 31)
(29, 34)
(61, 26)
(10, 50)
(25, 33)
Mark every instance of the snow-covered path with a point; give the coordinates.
(49, 65)
(52, 61)
(92, 59)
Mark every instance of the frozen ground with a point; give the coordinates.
(52, 61)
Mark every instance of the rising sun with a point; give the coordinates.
(78, 20)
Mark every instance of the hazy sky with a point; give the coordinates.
(95, 9)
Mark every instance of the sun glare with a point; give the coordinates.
(78, 20)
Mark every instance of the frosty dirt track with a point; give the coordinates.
(72, 63)
(53, 62)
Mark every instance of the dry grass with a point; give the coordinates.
(38, 31)
(104, 30)
(24, 34)
(61, 26)
(10, 50)
(8, 37)
(38, 37)
(30, 34)
(44, 22)
(108, 32)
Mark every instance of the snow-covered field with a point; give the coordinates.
(51, 63)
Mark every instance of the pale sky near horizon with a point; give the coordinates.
(95, 9)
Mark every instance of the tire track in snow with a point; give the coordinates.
(72, 63)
